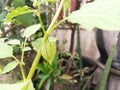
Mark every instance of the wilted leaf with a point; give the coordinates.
(18, 11)
(48, 51)
(31, 30)
(9, 67)
(5, 50)
(65, 76)
(101, 14)
(14, 41)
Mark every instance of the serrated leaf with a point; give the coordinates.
(18, 11)
(14, 42)
(48, 51)
(9, 67)
(18, 86)
(5, 50)
(31, 30)
(104, 15)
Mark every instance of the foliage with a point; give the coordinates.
(104, 15)
(27, 85)
(26, 21)
(48, 72)
(102, 83)
(7, 50)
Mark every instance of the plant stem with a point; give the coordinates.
(23, 52)
(22, 71)
(39, 17)
(21, 68)
(50, 28)
(61, 21)
(33, 67)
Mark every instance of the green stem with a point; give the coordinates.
(50, 28)
(39, 17)
(21, 68)
(22, 71)
(23, 52)
(60, 22)
(33, 67)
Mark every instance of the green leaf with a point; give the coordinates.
(37, 44)
(9, 67)
(31, 30)
(18, 86)
(2, 40)
(18, 3)
(101, 14)
(48, 51)
(66, 4)
(41, 68)
(14, 42)
(3, 15)
(56, 72)
(26, 19)
(18, 11)
(102, 83)
(5, 50)
(28, 86)
(43, 80)
(48, 83)
(26, 49)
(51, 0)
